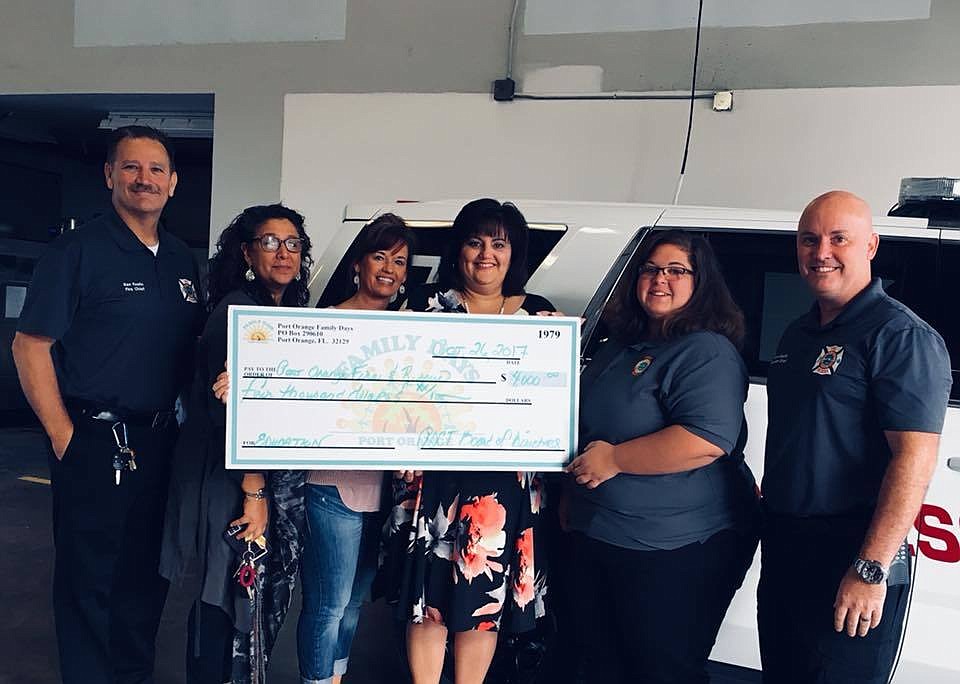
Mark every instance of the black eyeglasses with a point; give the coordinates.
(669, 272)
(271, 243)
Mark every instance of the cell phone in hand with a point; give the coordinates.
(230, 535)
(234, 530)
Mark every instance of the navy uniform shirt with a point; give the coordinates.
(697, 381)
(833, 390)
(123, 319)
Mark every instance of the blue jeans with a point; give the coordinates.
(338, 564)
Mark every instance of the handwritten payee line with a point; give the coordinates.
(456, 382)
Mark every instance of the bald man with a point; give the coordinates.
(857, 394)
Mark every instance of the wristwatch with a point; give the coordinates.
(870, 571)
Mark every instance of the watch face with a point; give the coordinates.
(871, 572)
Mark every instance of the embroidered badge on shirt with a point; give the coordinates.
(188, 291)
(642, 365)
(829, 360)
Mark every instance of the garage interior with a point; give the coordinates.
(354, 101)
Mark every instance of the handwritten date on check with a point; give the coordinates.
(335, 389)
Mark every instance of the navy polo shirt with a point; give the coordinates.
(123, 319)
(832, 390)
(697, 381)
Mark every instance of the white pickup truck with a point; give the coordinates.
(578, 251)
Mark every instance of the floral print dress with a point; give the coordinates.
(461, 548)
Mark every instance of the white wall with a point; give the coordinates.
(571, 16)
(777, 148)
(431, 46)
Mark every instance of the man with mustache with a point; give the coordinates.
(857, 394)
(103, 346)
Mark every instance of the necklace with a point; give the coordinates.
(503, 303)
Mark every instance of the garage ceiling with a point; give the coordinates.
(816, 51)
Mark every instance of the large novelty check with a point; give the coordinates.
(338, 389)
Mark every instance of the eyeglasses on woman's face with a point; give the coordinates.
(271, 243)
(651, 271)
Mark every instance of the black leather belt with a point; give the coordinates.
(154, 420)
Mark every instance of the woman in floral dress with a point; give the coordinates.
(461, 551)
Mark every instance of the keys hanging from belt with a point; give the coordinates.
(246, 573)
(125, 458)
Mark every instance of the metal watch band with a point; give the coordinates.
(871, 571)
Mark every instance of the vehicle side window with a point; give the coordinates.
(594, 330)
(948, 320)
(761, 271)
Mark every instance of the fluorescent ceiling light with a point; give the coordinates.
(174, 124)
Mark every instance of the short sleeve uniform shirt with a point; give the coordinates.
(832, 392)
(697, 381)
(124, 320)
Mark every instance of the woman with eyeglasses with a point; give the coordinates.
(262, 258)
(662, 507)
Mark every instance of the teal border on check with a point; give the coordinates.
(233, 317)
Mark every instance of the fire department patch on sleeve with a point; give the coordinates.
(829, 360)
(188, 291)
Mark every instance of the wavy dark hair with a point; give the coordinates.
(384, 232)
(711, 307)
(487, 218)
(227, 265)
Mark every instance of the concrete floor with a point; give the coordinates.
(28, 650)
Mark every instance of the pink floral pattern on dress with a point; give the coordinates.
(482, 537)
(454, 540)
(524, 578)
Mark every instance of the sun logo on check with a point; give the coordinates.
(257, 331)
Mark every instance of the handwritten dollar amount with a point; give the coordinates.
(520, 378)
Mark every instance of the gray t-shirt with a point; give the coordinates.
(697, 381)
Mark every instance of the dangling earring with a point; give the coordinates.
(297, 277)
(356, 280)
(402, 289)
(250, 276)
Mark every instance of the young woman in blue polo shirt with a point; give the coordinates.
(662, 506)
